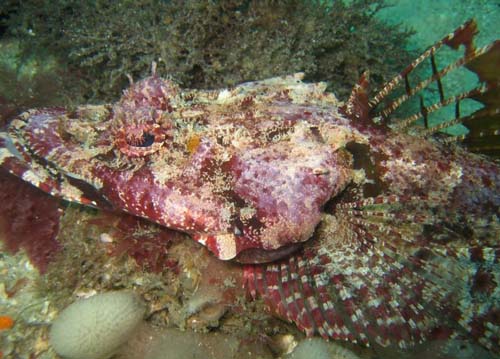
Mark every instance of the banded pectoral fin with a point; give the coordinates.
(389, 278)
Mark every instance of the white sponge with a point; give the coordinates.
(319, 348)
(96, 327)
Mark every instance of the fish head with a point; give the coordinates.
(245, 172)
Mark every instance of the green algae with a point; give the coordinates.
(205, 44)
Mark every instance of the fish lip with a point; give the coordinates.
(260, 255)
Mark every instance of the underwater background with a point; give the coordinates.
(65, 53)
(70, 51)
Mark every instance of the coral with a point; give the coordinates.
(206, 44)
(6, 322)
(29, 220)
(94, 328)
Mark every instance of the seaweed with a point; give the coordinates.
(29, 220)
(210, 44)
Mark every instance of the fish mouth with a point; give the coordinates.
(25, 151)
(259, 255)
(18, 160)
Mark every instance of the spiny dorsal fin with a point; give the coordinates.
(358, 106)
(463, 35)
(484, 134)
(483, 124)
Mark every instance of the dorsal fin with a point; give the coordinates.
(482, 119)
(484, 135)
(358, 106)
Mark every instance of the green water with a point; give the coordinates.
(431, 19)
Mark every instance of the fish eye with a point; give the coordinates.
(147, 140)
(139, 141)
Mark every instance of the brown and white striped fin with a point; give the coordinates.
(386, 272)
(484, 126)
(463, 35)
(483, 123)
(357, 106)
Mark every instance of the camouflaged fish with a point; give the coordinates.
(369, 223)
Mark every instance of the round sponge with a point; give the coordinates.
(96, 327)
(319, 348)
